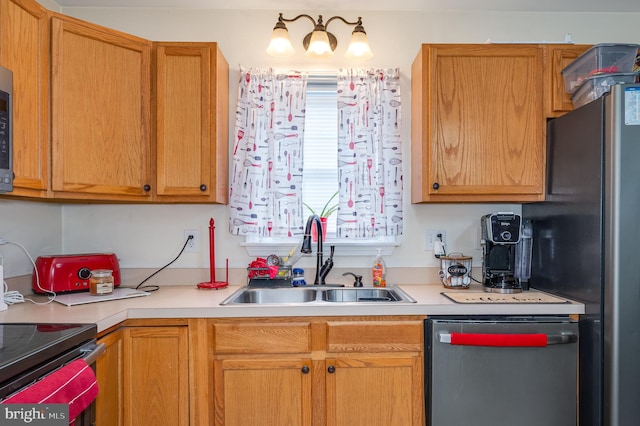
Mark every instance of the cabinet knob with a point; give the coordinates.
(436, 185)
(147, 188)
(305, 370)
(331, 369)
(203, 187)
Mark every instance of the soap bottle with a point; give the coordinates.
(379, 271)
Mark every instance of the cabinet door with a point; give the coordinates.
(24, 49)
(477, 123)
(191, 119)
(557, 58)
(364, 391)
(100, 112)
(156, 376)
(109, 372)
(259, 392)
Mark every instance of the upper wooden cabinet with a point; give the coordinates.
(24, 49)
(102, 115)
(478, 126)
(101, 97)
(557, 57)
(191, 114)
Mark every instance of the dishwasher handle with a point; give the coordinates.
(507, 340)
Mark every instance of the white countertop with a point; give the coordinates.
(185, 301)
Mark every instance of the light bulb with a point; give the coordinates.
(319, 46)
(280, 45)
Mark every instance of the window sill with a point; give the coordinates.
(345, 247)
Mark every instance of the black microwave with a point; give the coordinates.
(6, 130)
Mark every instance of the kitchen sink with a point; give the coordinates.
(365, 295)
(317, 295)
(271, 295)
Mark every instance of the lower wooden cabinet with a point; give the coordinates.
(155, 372)
(263, 391)
(364, 391)
(109, 404)
(156, 376)
(300, 371)
(355, 371)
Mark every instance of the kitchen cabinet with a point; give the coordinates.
(156, 375)
(24, 49)
(263, 372)
(191, 122)
(155, 372)
(264, 391)
(375, 372)
(107, 116)
(109, 373)
(317, 371)
(100, 96)
(478, 125)
(557, 57)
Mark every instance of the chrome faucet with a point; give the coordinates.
(322, 270)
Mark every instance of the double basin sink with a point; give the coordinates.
(317, 295)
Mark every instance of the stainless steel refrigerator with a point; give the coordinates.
(586, 246)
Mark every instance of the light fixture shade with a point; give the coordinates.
(319, 46)
(280, 45)
(359, 46)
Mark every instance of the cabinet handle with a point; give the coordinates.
(305, 370)
(147, 188)
(203, 187)
(331, 369)
(436, 185)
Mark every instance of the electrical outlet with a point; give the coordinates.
(194, 243)
(431, 235)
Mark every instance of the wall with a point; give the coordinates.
(148, 236)
(35, 226)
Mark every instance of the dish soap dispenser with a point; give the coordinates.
(379, 271)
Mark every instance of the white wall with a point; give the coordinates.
(36, 226)
(151, 235)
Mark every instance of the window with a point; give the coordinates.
(320, 175)
(320, 178)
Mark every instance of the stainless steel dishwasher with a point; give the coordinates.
(501, 371)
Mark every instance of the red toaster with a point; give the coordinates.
(71, 272)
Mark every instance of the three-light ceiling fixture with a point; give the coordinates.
(320, 43)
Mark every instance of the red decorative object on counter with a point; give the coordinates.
(212, 263)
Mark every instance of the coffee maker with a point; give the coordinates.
(504, 253)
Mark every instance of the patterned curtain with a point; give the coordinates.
(369, 153)
(265, 197)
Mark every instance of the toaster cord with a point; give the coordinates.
(12, 297)
(155, 287)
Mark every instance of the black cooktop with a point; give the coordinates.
(24, 346)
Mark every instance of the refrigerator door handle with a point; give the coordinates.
(506, 340)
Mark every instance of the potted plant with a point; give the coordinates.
(324, 214)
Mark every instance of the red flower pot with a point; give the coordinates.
(314, 230)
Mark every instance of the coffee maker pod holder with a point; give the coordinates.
(454, 271)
